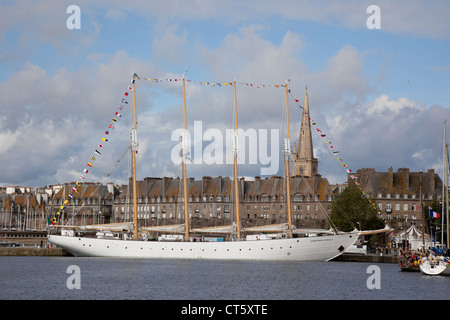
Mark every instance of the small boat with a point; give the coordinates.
(409, 262)
(435, 265)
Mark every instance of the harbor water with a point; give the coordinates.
(70, 278)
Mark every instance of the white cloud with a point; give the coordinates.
(168, 45)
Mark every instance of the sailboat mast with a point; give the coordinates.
(421, 208)
(184, 147)
(444, 186)
(133, 160)
(287, 152)
(235, 151)
(446, 191)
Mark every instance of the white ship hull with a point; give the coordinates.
(320, 248)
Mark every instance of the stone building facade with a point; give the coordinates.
(262, 201)
(27, 209)
(397, 194)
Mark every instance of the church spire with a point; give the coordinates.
(304, 162)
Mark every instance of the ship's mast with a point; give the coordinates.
(287, 153)
(235, 154)
(184, 148)
(445, 198)
(133, 159)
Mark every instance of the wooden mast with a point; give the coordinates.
(184, 147)
(133, 160)
(287, 153)
(235, 154)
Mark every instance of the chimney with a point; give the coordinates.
(405, 173)
(257, 185)
(432, 179)
(390, 178)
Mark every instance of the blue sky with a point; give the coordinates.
(380, 95)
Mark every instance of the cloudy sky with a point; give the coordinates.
(380, 95)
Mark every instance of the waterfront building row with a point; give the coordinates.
(263, 200)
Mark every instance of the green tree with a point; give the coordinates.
(353, 210)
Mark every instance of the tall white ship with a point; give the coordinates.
(280, 243)
(316, 248)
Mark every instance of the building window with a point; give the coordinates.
(388, 207)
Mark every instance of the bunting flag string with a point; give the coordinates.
(93, 158)
(337, 155)
(208, 83)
